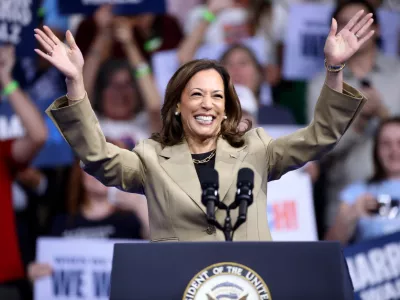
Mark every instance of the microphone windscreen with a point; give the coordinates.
(245, 175)
(208, 176)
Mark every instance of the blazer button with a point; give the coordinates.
(210, 230)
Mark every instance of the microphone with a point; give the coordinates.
(244, 193)
(209, 195)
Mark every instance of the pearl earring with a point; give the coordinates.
(225, 117)
(177, 113)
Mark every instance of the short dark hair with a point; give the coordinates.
(172, 130)
(106, 71)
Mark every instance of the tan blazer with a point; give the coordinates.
(168, 178)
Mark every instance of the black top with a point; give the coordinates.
(118, 225)
(209, 164)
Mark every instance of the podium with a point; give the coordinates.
(230, 270)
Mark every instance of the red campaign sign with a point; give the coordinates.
(283, 215)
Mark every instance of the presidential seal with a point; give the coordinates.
(227, 281)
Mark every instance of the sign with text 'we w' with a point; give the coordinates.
(81, 268)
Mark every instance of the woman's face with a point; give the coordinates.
(389, 149)
(119, 97)
(345, 16)
(202, 105)
(93, 186)
(242, 69)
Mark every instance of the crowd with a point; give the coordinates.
(61, 200)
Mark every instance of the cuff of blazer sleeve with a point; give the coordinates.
(62, 114)
(350, 99)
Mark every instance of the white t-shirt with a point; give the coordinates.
(230, 25)
(128, 131)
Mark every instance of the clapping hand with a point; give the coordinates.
(339, 47)
(67, 58)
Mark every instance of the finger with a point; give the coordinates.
(70, 40)
(353, 20)
(367, 37)
(45, 38)
(43, 43)
(51, 35)
(361, 23)
(44, 55)
(364, 29)
(333, 30)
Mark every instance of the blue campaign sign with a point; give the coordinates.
(120, 7)
(374, 268)
(55, 152)
(17, 21)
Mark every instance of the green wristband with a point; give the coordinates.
(10, 88)
(209, 16)
(142, 70)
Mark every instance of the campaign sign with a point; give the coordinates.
(18, 18)
(120, 7)
(374, 268)
(290, 211)
(55, 152)
(307, 29)
(81, 268)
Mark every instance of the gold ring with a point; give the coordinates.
(357, 36)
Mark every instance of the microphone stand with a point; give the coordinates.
(227, 229)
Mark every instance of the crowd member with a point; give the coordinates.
(378, 77)
(358, 217)
(152, 33)
(245, 69)
(91, 216)
(15, 155)
(124, 92)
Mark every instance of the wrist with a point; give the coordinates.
(75, 88)
(4, 81)
(209, 15)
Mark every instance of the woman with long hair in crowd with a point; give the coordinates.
(359, 217)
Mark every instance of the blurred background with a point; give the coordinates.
(273, 51)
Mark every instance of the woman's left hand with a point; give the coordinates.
(340, 47)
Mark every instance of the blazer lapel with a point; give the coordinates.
(227, 163)
(179, 166)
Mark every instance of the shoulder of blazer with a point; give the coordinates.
(256, 135)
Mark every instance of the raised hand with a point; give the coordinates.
(340, 47)
(68, 59)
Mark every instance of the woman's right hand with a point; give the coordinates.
(38, 270)
(364, 205)
(68, 59)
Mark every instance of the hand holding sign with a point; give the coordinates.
(66, 58)
(7, 61)
(38, 270)
(340, 47)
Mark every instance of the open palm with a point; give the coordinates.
(340, 47)
(68, 59)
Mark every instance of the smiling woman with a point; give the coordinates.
(200, 104)
(201, 116)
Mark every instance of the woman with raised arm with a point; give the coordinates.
(200, 116)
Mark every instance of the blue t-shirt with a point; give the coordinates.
(375, 225)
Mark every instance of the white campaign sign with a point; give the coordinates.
(307, 30)
(290, 206)
(165, 63)
(81, 268)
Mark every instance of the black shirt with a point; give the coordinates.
(209, 164)
(118, 225)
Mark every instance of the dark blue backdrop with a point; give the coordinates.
(136, 7)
